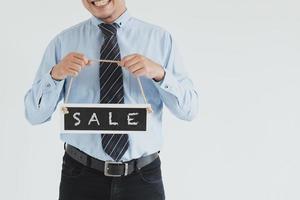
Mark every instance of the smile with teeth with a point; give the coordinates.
(100, 3)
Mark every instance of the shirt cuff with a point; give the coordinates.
(168, 84)
(50, 84)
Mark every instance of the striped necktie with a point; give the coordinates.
(111, 88)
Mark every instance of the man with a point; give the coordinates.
(111, 166)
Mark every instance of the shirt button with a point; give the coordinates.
(166, 86)
(48, 85)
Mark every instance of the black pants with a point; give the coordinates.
(79, 182)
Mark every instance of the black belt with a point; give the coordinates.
(109, 168)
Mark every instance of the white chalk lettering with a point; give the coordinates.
(75, 116)
(110, 120)
(130, 120)
(94, 118)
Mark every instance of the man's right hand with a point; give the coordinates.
(70, 65)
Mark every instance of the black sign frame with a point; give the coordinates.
(104, 118)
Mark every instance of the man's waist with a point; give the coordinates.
(110, 168)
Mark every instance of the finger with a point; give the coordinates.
(135, 67)
(78, 55)
(75, 67)
(72, 72)
(131, 62)
(140, 72)
(127, 58)
(82, 57)
(86, 60)
(89, 62)
(78, 62)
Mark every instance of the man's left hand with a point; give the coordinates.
(139, 65)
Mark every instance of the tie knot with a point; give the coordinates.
(108, 29)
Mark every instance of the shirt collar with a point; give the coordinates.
(121, 21)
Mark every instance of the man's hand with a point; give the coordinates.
(142, 66)
(70, 65)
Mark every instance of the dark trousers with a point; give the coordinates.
(79, 182)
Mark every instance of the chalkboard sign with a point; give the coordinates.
(104, 118)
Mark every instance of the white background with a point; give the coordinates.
(243, 56)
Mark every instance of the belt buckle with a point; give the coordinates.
(108, 163)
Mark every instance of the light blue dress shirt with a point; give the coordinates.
(134, 36)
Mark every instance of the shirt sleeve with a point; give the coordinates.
(176, 89)
(42, 98)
